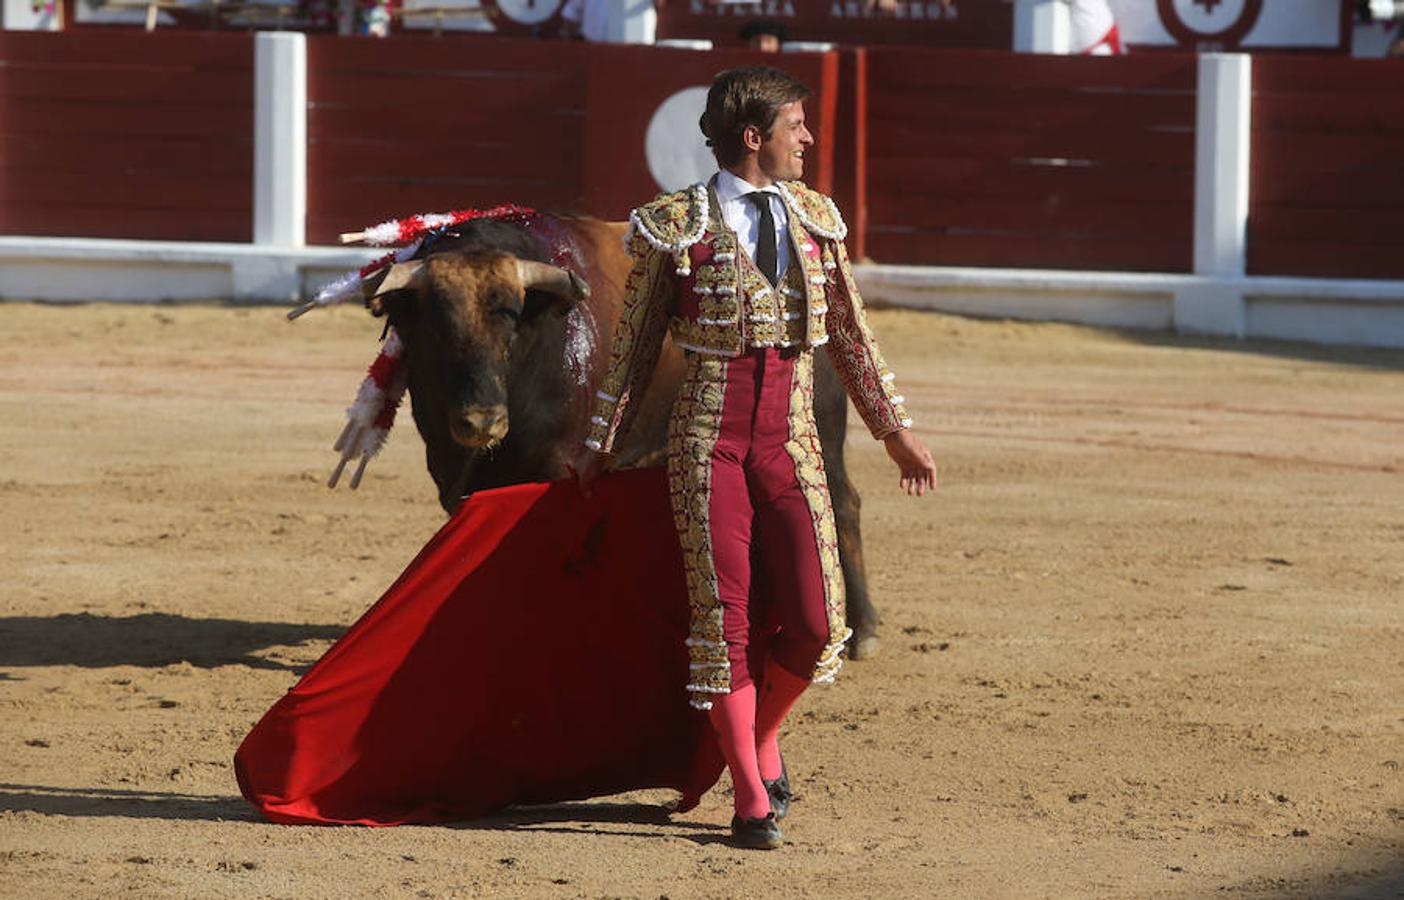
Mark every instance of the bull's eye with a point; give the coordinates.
(507, 314)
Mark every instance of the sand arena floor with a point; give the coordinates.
(1147, 640)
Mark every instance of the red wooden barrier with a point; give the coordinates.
(126, 135)
(1327, 196)
(423, 124)
(998, 159)
(420, 124)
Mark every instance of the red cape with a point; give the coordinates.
(533, 652)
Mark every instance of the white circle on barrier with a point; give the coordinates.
(676, 151)
(1209, 16)
(528, 12)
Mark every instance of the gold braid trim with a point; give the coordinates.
(817, 211)
(693, 432)
(855, 353)
(672, 223)
(803, 447)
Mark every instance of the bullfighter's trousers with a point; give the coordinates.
(747, 484)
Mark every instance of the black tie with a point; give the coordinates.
(765, 238)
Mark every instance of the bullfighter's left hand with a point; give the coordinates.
(913, 460)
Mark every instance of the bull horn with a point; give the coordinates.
(393, 278)
(562, 283)
(401, 275)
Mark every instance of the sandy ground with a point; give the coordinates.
(1146, 641)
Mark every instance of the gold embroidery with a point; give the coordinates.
(860, 365)
(672, 222)
(715, 286)
(693, 431)
(803, 447)
(818, 213)
(774, 316)
(638, 338)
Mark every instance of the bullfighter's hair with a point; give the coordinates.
(738, 98)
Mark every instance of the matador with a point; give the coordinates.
(749, 273)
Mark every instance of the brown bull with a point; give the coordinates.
(505, 351)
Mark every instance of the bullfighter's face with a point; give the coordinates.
(781, 153)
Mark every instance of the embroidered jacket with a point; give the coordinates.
(691, 277)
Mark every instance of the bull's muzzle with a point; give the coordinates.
(480, 426)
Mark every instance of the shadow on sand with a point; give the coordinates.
(584, 817)
(562, 818)
(150, 639)
(1350, 881)
(120, 803)
(1380, 358)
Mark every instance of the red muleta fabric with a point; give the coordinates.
(532, 653)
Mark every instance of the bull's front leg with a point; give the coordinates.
(861, 616)
(831, 418)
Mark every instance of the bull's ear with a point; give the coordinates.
(408, 275)
(563, 284)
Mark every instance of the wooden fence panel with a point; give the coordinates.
(1327, 196)
(998, 159)
(127, 135)
(420, 124)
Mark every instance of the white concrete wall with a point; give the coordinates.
(1318, 310)
(81, 269)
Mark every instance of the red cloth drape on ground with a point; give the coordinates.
(533, 652)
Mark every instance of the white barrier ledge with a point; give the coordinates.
(1319, 310)
(81, 269)
(1366, 313)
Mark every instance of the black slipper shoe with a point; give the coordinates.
(756, 834)
(779, 791)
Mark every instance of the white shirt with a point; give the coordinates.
(742, 217)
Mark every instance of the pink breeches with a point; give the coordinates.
(760, 517)
(747, 484)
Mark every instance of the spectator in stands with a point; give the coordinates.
(765, 35)
(1093, 29)
(589, 19)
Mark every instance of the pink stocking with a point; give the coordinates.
(782, 689)
(734, 718)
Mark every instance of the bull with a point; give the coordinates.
(504, 352)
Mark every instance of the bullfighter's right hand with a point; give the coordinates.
(913, 460)
(587, 467)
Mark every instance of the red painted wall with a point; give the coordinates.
(1327, 176)
(426, 125)
(127, 135)
(1000, 159)
(964, 158)
(418, 124)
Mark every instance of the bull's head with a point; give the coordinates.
(459, 315)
